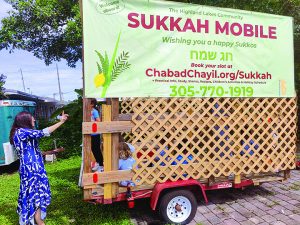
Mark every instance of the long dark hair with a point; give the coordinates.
(22, 120)
(94, 103)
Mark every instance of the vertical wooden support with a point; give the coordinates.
(87, 148)
(115, 144)
(87, 152)
(107, 153)
(211, 180)
(237, 179)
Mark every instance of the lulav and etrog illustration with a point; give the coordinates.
(108, 71)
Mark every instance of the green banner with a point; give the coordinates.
(146, 48)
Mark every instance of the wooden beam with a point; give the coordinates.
(125, 117)
(87, 153)
(211, 180)
(266, 179)
(106, 109)
(128, 116)
(87, 194)
(106, 127)
(87, 156)
(97, 192)
(115, 143)
(87, 148)
(107, 177)
(237, 179)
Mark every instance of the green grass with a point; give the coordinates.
(67, 206)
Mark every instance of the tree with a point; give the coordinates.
(69, 135)
(2, 82)
(50, 29)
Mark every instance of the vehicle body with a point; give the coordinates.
(8, 110)
(213, 153)
(206, 101)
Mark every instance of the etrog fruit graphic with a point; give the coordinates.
(99, 80)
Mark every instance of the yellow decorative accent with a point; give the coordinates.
(99, 80)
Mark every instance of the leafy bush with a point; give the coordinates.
(2, 82)
(69, 135)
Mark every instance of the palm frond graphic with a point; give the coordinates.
(104, 63)
(120, 65)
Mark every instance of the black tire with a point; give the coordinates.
(177, 196)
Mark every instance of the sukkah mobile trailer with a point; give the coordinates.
(221, 116)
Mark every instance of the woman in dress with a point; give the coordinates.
(35, 195)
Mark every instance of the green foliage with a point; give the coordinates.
(112, 61)
(69, 135)
(113, 68)
(120, 65)
(2, 82)
(67, 206)
(99, 68)
(50, 29)
(104, 63)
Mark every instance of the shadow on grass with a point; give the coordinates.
(143, 213)
(10, 169)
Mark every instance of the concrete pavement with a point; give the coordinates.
(276, 203)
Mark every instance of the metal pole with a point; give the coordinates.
(23, 80)
(59, 89)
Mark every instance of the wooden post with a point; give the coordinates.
(107, 153)
(237, 179)
(211, 180)
(87, 151)
(115, 144)
(87, 156)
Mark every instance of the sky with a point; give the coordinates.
(39, 79)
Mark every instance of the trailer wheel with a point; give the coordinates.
(178, 207)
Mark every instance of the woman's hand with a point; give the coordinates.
(64, 117)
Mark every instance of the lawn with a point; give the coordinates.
(67, 206)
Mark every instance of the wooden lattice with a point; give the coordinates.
(127, 109)
(180, 138)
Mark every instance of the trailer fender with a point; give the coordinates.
(159, 187)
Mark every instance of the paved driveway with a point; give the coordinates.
(271, 203)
